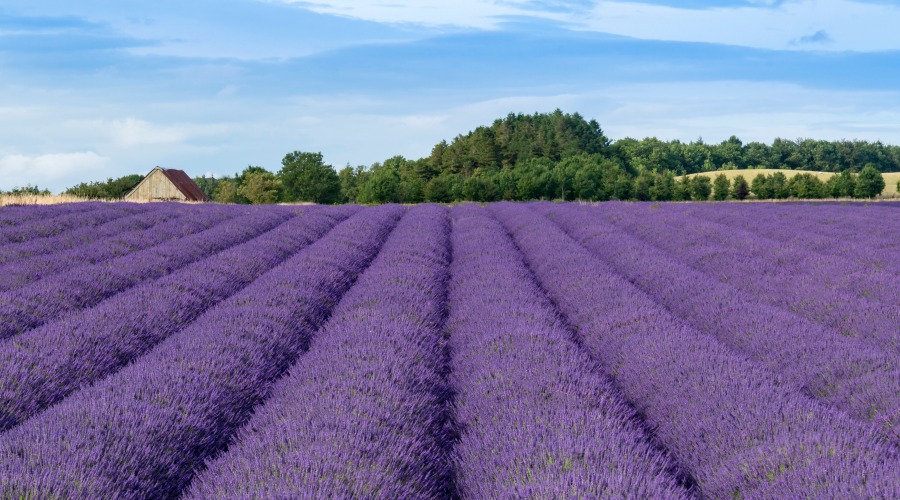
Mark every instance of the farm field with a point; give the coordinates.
(515, 350)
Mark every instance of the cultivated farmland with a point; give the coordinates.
(531, 350)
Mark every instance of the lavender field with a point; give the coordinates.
(530, 350)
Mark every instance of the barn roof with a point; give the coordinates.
(182, 182)
(185, 184)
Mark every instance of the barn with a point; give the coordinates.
(166, 184)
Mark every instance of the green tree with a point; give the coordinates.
(481, 186)
(869, 182)
(111, 189)
(306, 177)
(260, 188)
(806, 186)
(349, 179)
(779, 184)
(208, 184)
(682, 190)
(27, 190)
(761, 187)
(241, 178)
(226, 191)
(622, 187)
(721, 187)
(587, 182)
(382, 185)
(437, 190)
(842, 185)
(642, 186)
(701, 187)
(663, 186)
(740, 189)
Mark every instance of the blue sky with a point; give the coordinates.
(97, 89)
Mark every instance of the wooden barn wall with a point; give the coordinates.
(156, 187)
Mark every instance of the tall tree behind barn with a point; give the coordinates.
(166, 184)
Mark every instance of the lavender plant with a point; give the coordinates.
(840, 371)
(139, 236)
(62, 219)
(44, 365)
(143, 432)
(858, 233)
(379, 431)
(739, 430)
(18, 215)
(848, 297)
(87, 234)
(51, 297)
(537, 417)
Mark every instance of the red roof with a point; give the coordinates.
(185, 184)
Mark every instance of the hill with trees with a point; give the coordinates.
(563, 157)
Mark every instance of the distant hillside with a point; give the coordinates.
(554, 156)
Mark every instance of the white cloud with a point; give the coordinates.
(477, 14)
(130, 132)
(49, 169)
(835, 25)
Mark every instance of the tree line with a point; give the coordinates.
(557, 156)
(27, 190)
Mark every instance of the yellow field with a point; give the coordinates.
(31, 199)
(890, 178)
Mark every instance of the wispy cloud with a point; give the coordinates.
(849, 24)
(49, 169)
(819, 37)
(130, 132)
(468, 14)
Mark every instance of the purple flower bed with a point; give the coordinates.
(51, 297)
(96, 342)
(142, 432)
(864, 234)
(87, 234)
(512, 351)
(379, 432)
(844, 372)
(18, 215)
(537, 418)
(737, 428)
(132, 234)
(850, 297)
(64, 219)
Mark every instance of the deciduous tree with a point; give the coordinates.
(869, 182)
(306, 177)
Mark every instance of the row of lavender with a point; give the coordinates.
(839, 291)
(45, 364)
(143, 430)
(156, 252)
(495, 357)
(22, 224)
(538, 417)
(861, 233)
(857, 373)
(363, 414)
(739, 429)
